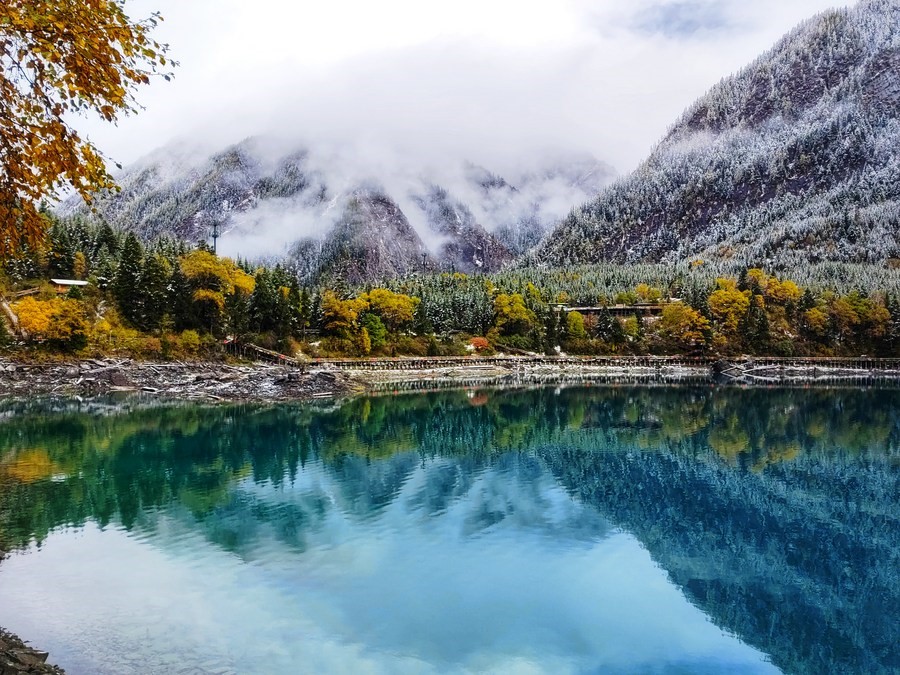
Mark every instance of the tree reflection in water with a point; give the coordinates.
(774, 510)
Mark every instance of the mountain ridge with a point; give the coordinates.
(272, 203)
(790, 161)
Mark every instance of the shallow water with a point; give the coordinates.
(614, 530)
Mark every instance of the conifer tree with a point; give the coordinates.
(127, 282)
(263, 302)
(61, 257)
(180, 300)
(154, 291)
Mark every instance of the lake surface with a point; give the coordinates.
(605, 530)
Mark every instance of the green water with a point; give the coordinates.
(610, 530)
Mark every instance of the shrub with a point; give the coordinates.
(190, 342)
(480, 344)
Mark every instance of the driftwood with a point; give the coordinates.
(213, 381)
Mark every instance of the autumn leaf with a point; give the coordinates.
(59, 59)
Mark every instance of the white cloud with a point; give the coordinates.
(492, 81)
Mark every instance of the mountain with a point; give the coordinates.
(372, 240)
(466, 245)
(796, 159)
(301, 205)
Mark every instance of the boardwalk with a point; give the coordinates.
(620, 369)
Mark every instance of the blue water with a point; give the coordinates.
(620, 530)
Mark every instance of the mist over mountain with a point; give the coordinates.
(334, 215)
(791, 161)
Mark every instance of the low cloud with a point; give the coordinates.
(401, 92)
(683, 19)
(493, 81)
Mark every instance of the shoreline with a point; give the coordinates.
(18, 657)
(339, 378)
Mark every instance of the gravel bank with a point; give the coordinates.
(182, 381)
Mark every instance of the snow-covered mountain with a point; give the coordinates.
(333, 220)
(795, 159)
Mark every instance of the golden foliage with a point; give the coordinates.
(395, 309)
(683, 326)
(214, 297)
(728, 305)
(512, 316)
(648, 294)
(35, 315)
(30, 466)
(341, 316)
(58, 59)
(209, 271)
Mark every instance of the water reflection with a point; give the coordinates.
(547, 530)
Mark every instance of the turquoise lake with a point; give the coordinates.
(573, 530)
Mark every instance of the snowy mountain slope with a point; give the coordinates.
(795, 159)
(325, 215)
(467, 246)
(372, 240)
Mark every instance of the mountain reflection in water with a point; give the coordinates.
(616, 529)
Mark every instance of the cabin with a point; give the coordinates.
(63, 286)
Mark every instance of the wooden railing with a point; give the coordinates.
(740, 369)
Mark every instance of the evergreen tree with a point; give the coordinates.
(154, 291)
(264, 302)
(295, 309)
(305, 314)
(551, 333)
(237, 311)
(106, 239)
(181, 306)
(422, 325)
(755, 326)
(892, 302)
(126, 286)
(61, 256)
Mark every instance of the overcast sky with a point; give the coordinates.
(491, 81)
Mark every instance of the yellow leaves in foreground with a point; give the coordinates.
(59, 59)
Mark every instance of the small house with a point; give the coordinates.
(63, 286)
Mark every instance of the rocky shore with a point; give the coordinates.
(17, 658)
(180, 381)
(267, 382)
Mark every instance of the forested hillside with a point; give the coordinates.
(792, 161)
(171, 300)
(334, 222)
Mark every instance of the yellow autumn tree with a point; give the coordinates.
(511, 315)
(59, 59)
(211, 274)
(214, 280)
(648, 294)
(395, 309)
(63, 322)
(683, 327)
(341, 316)
(35, 316)
(728, 305)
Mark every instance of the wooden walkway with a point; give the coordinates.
(514, 362)
(735, 367)
(252, 351)
(619, 368)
